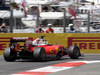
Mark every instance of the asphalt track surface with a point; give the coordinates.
(9, 68)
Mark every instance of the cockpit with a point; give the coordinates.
(39, 41)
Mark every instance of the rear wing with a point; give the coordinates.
(27, 41)
(19, 39)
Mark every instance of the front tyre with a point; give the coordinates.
(59, 56)
(9, 55)
(74, 52)
(39, 54)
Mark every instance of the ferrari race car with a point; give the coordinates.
(38, 49)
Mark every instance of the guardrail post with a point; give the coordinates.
(88, 26)
(37, 21)
(11, 18)
(64, 22)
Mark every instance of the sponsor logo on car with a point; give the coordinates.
(51, 51)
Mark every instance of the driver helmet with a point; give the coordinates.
(70, 25)
(49, 25)
(39, 41)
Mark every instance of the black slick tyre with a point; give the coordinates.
(74, 52)
(39, 54)
(9, 55)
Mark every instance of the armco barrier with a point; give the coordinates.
(88, 43)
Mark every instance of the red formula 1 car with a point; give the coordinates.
(38, 49)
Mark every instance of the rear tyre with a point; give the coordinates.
(9, 55)
(39, 54)
(74, 52)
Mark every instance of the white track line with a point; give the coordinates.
(56, 67)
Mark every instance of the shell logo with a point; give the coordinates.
(57, 49)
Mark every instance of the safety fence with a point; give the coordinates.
(88, 43)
